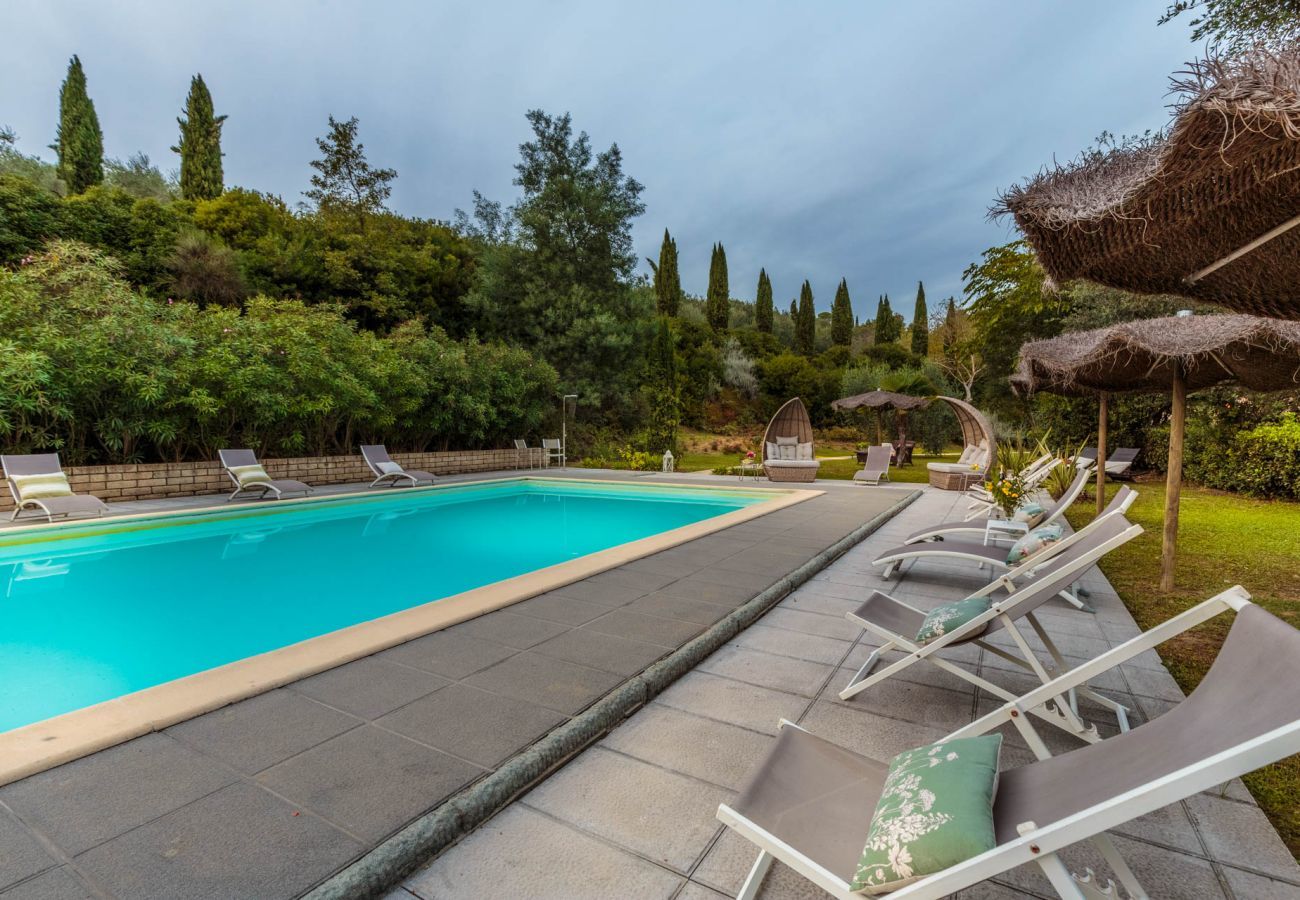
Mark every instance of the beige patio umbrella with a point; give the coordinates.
(1208, 209)
(879, 401)
(1176, 354)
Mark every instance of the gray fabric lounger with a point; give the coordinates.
(386, 470)
(975, 527)
(276, 487)
(18, 465)
(809, 802)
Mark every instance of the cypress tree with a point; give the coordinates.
(664, 402)
(200, 145)
(920, 323)
(886, 324)
(717, 306)
(949, 327)
(842, 316)
(794, 314)
(805, 323)
(668, 283)
(80, 143)
(763, 303)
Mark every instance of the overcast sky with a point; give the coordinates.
(821, 140)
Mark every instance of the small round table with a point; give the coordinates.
(752, 470)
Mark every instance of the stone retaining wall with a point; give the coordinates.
(152, 481)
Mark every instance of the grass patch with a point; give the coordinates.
(836, 464)
(1223, 539)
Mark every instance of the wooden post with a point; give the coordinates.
(1101, 451)
(1173, 481)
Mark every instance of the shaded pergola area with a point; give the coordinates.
(1208, 210)
(1175, 354)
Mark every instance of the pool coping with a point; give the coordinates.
(44, 745)
(381, 868)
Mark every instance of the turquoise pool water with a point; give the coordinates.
(101, 611)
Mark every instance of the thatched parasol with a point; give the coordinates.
(1187, 352)
(1207, 209)
(879, 401)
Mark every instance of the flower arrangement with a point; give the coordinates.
(1007, 490)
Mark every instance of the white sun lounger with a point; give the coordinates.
(809, 803)
(388, 471)
(975, 527)
(896, 624)
(17, 466)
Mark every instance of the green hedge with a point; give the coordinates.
(1265, 462)
(93, 368)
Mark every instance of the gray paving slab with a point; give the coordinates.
(1240, 834)
(370, 687)
(634, 626)
(717, 752)
(452, 655)
(726, 700)
(86, 802)
(548, 859)
(264, 730)
(238, 843)
(369, 781)
(784, 642)
(520, 632)
(668, 606)
(797, 676)
(553, 683)
(472, 724)
(555, 607)
(21, 855)
(54, 884)
(602, 651)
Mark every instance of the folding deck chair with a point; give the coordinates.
(992, 555)
(1032, 477)
(233, 461)
(809, 803)
(23, 471)
(876, 468)
(386, 470)
(973, 527)
(897, 623)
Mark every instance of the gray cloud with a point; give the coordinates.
(858, 140)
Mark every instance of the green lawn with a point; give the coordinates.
(1223, 540)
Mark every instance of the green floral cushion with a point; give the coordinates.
(951, 616)
(1032, 513)
(39, 487)
(1032, 542)
(936, 811)
(247, 475)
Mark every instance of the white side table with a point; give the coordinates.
(995, 528)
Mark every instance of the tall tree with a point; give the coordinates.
(717, 305)
(763, 303)
(805, 326)
(887, 330)
(79, 142)
(200, 145)
(663, 401)
(920, 323)
(842, 316)
(344, 180)
(668, 282)
(1237, 25)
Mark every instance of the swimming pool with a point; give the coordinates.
(94, 612)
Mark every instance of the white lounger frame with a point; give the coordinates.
(936, 548)
(1034, 475)
(1064, 712)
(1040, 845)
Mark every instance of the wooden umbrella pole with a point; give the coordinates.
(1101, 451)
(1173, 481)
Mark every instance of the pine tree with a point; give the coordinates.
(842, 316)
(949, 327)
(805, 323)
(80, 143)
(920, 323)
(886, 325)
(200, 145)
(717, 305)
(763, 303)
(668, 282)
(661, 392)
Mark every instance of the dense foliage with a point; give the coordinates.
(106, 374)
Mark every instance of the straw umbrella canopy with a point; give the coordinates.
(1178, 353)
(1207, 209)
(879, 401)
